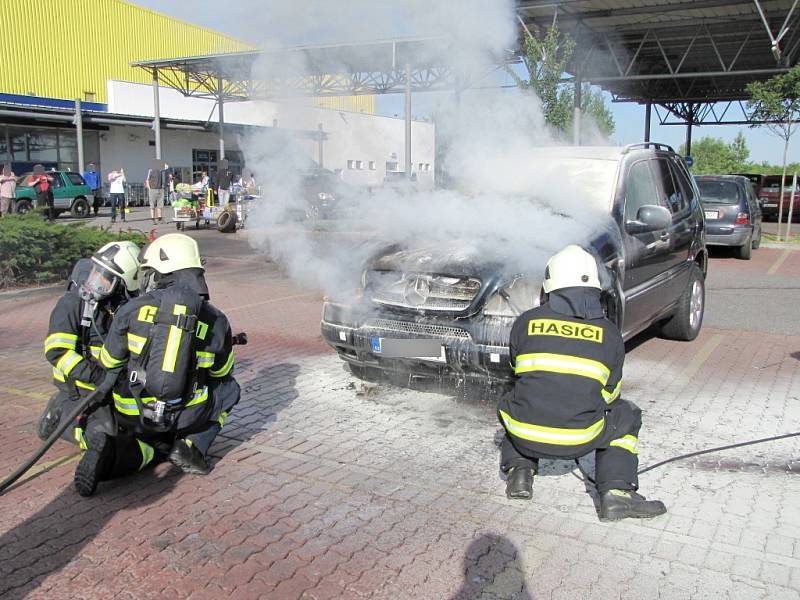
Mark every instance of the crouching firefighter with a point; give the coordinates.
(174, 352)
(97, 288)
(565, 402)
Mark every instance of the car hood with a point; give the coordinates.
(459, 258)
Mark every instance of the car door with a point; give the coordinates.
(645, 253)
(61, 196)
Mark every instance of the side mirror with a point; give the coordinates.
(649, 218)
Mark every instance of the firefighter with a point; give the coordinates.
(565, 401)
(153, 428)
(78, 324)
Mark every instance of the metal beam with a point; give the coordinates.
(657, 76)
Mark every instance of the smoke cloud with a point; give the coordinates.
(514, 197)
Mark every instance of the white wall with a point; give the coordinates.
(350, 135)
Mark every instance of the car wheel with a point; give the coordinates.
(745, 251)
(80, 208)
(757, 241)
(226, 222)
(685, 323)
(23, 206)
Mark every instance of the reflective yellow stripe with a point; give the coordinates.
(136, 343)
(84, 385)
(173, 342)
(562, 363)
(67, 341)
(68, 361)
(552, 435)
(609, 397)
(95, 351)
(627, 442)
(128, 406)
(199, 397)
(58, 375)
(80, 438)
(147, 454)
(205, 360)
(222, 418)
(224, 369)
(108, 361)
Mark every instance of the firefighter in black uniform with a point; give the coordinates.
(193, 422)
(78, 324)
(565, 402)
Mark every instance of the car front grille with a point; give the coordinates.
(411, 327)
(423, 291)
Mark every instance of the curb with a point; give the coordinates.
(780, 245)
(32, 290)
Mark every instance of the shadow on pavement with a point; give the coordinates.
(53, 537)
(492, 571)
(264, 396)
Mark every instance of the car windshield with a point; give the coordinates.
(719, 192)
(575, 180)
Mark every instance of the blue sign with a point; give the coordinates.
(376, 345)
(689, 161)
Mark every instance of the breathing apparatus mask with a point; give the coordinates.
(100, 284)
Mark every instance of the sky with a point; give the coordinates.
(252, 21)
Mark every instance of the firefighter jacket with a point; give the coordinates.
(567, 359)
(74, 349)
(126, 340)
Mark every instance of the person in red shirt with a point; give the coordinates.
(40, 181)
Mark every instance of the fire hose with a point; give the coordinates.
(97, 395)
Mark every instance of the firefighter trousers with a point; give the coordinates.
(616, 460)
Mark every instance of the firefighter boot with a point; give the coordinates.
(188, 458)
(95, 463)
(627, 504)
(519, 484)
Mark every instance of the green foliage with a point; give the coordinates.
(33, 251)
(778, 100)
(712, 156)
(547, 60)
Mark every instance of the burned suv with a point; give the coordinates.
(440, 312)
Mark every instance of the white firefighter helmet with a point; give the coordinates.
(172, 252)
(114, 262)
(571, 267)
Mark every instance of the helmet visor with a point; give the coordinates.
(101, 282)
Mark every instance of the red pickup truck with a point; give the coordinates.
(769, 198)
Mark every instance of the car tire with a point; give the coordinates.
(23, 206)
(745, 251)
(757, 241)
(685, 323)
(80, 208)
(226, 222)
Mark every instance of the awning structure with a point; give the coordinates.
(684, 55)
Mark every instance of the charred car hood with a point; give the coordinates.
(457, 258)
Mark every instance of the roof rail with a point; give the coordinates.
(656, 145)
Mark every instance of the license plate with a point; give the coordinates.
(432, 350)
(770, 205)
(712, 214)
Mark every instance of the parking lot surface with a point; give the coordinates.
(324, 488)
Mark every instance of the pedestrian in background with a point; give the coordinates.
(40, 181)
(92, 179)
(171, 196)
(224, 178)
(116, 180)
(8, 188)
(154, 183)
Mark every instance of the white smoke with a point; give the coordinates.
(510, 200)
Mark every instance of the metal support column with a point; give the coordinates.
(408, 121)
(647, 114)
(220, 107)
(79, 133)
(689, 123)
(576, 117)
(156, 115)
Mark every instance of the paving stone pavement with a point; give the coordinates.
(325, 489)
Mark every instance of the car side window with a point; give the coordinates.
(56, 183)
(75, 178)
(671, 195)
(639, 189)
(684, 183)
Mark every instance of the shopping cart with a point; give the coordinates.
(185, 207)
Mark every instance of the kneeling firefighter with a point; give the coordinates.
(173, 351)
(98, 287)
(565, 402)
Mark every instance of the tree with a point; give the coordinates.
(740, 151)
(546, 60)
(776, 101)
(712, 156)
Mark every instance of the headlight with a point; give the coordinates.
(324, 196)
(515, 298)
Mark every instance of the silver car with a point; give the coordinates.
(733, 217)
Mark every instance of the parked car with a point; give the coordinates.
(70, 193)
(465, 302)
(770, 194)
(733, 217)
